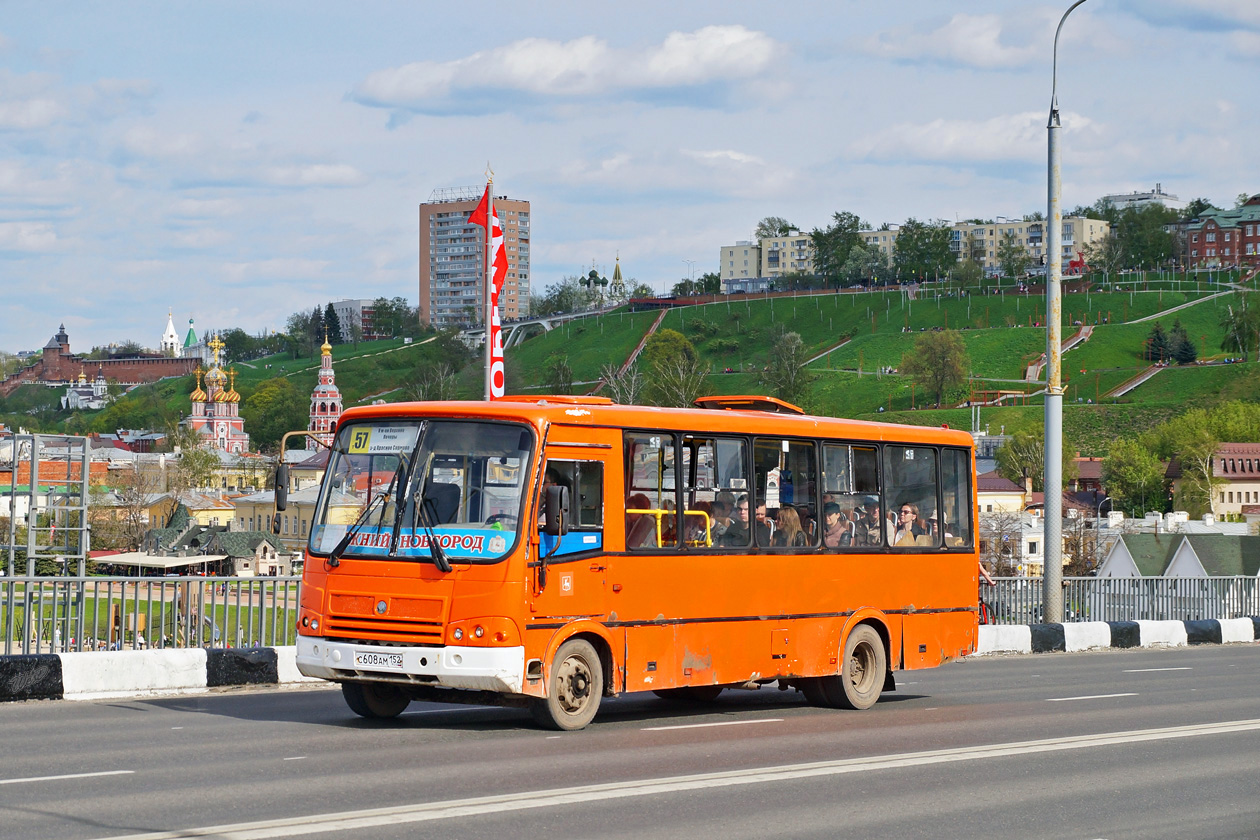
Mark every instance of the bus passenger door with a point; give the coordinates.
(569, 572)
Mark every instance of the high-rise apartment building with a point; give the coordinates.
(453, 258)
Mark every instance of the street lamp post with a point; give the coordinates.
(691, 264)
(1098, 527)
(1052, 581)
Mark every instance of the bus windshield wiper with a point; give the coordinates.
(334, 557)
(426, 512)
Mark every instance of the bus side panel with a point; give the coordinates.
(651, 657)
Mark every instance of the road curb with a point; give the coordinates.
(1104, 635)
(95, 675)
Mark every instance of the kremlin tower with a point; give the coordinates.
(215, 414)
(325, 402)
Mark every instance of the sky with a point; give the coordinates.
(234, 162)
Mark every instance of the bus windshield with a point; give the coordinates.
(396, 486)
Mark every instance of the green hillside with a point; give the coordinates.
(854, 339)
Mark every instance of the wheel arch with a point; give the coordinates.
(878, 621)
(598, 637)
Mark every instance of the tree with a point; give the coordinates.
(1133, 476)
(772, 226)
(333, 325)
(969, 273)
(196, 470)
(1144, 235)
(1197, 208)
(1241, 322)
(1107, 253)
(938, 361)
(1198, 484)
(1002, 541)
(393, 317)
(1024, 456)
(624, 387)
(641, 290)
(1157, 345)
(436, 382)
(274, 408)
(1180, 347)
(566, 296)
(665, 345)
(121, 525)
(865, 265)
(1012, 256)
(785, 372)
(559, 374)
(922, 250)
(833, 243)
(678, 380)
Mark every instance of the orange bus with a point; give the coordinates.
(552, 551)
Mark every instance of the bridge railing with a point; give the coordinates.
(1019, 600)
(64, 614)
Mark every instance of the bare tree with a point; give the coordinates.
(1001, 540)
(120, 519)
(786, 374)
(624, 387)
(677, 381)
(438, 383)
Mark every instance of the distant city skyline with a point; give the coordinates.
(236, 163)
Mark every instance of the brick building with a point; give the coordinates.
(1224, 238)
(58, 366)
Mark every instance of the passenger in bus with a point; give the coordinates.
(837, 531)
(698, 527)
(872, 527)
(723, 512)
(640, 527)
(788, 534)
(808, 525)
(907, 524)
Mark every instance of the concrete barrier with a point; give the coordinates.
(1103, 635)
(93, 675)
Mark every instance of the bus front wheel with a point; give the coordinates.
(574, 690)
(863, 671)
(372, 700)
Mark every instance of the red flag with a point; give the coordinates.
(486, 217)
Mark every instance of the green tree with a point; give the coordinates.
(1012, 256)
(833, 243)
(196, 470)
(1024, 456)
(1133, 476)
(922, 250)
(1181, 348)
(785, 372)
(1241, 322)
(566, 296)
(1197, 208)
(865, 265)
(772, 226)
(665, 345)
(332, 324)
(274, 408)
(1157, 348)
(1144, 235)
(937, 362)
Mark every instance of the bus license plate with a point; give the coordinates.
(371, 659)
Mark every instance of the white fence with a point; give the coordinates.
(1019, 600)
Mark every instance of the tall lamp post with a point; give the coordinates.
(1052, 581)
(1098, 527)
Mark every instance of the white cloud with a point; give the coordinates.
(199, 208)
(30, 113)
(1003, 138)
(726, 158)
(972, 40)
(1246, 43)
(275, 269)
(202, 238)
(315, 175)
(582, 66)
(27, 236)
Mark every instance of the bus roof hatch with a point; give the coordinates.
(748, 403)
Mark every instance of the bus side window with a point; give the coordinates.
(651, 498)
(786, 478)
(714, 474)
(956, 483)
(910, 490)
(585, 480)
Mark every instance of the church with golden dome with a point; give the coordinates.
(325, 402)
(215, 413)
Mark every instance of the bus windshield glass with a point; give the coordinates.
(398, 486)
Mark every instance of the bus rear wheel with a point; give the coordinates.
(574, 690)
(863, 671)
(690, 694)
(373, 700)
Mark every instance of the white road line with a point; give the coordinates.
(66, 776)
(1148, 670)
(294, 758)
(1091, 697)
(526, 800)
(703, 725)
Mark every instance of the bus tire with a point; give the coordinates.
(863, 673)
(374, 701)
(690, 694)
(574, 690)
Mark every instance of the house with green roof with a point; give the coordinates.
(1182, 556)
(1225, 238)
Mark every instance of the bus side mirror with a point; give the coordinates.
(556, 511)
(282, 487)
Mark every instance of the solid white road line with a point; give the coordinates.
(429, 811)
(66, 776)
(1149, 670)
(1090, 697)
(703, 725)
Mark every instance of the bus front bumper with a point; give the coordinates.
(477, 668)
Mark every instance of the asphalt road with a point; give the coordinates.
(1123, 744)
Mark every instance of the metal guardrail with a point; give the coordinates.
(1019, 600)
(64, 614)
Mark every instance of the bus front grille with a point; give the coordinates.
(387, 629)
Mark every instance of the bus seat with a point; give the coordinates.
(442, 500)
(642, 532)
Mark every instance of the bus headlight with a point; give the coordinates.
(458, 634)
